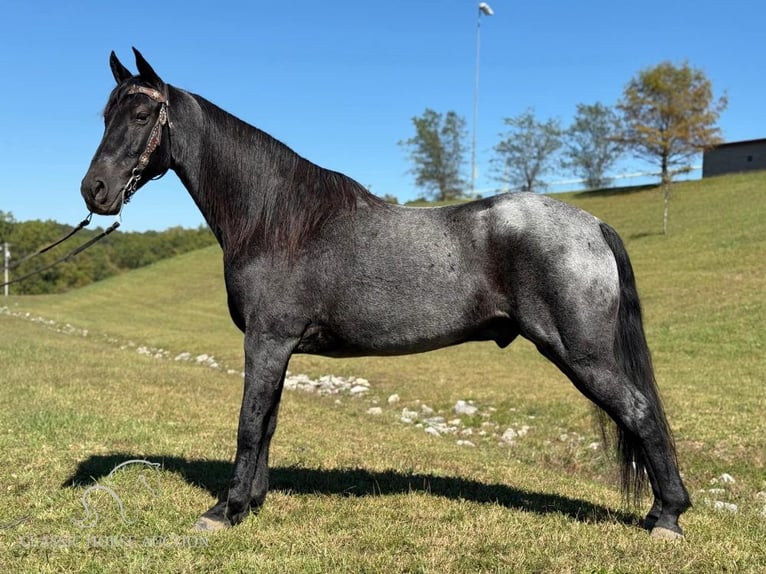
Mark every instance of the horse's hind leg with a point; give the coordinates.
(581, 308)
(644, 440)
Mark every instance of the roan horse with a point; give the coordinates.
(314, 263)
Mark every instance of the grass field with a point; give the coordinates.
(94, 385)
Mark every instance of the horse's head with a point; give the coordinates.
(133, 149)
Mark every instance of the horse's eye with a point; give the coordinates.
(142, 117)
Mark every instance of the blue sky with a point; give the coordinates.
(339, 81)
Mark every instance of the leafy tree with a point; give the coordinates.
(590, 144)
(120, 252)
(6, 225)
(669, 116)
(527, 151)
(437, 151)
(390, 198)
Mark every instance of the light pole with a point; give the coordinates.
(487, 11)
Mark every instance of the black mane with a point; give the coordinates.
(260, 192)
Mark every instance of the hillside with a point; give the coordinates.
(356, 487)
(703, 279)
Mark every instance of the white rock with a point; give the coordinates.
(426, 410)
(509, 436)
(393, 399)
(432, 431)
(463, 408)
(726, 478)
(357, 389)
(375, 411)
(435, 420)
(727, 506)
(201, 358)
(409, 414)
(760, 495)
(465, 443)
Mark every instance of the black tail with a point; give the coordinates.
(632, 352)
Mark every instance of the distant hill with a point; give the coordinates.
(116, 254)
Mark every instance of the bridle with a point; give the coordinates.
(130, 187)
(155, 138)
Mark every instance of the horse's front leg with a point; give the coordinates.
(266, 359)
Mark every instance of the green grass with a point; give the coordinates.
(361, 493)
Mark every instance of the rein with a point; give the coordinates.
(66, 257)
(130, 187)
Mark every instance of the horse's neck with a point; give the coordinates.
(255, 193)
(216, 156)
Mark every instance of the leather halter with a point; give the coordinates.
(155, 137)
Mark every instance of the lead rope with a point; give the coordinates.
(66, 257)
(78, 227)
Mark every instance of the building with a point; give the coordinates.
(734, 157)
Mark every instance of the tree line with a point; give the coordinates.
(120, 252)
(666, 116)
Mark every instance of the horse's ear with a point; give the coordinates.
(146, 72)
(120, 72)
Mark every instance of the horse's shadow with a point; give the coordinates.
(214, 475)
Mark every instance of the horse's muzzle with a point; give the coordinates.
(98, 196)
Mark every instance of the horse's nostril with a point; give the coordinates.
(99, 190)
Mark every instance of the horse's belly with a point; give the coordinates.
(405, 336)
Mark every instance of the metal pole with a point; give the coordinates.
(486, 10)
(6, 266)
(475, 105)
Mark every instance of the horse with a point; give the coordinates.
(315, 263)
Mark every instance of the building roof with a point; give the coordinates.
(743, 142)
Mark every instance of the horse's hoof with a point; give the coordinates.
(665, 534)
(211, 524)
(214, 519)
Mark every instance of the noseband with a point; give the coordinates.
(155, 138)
